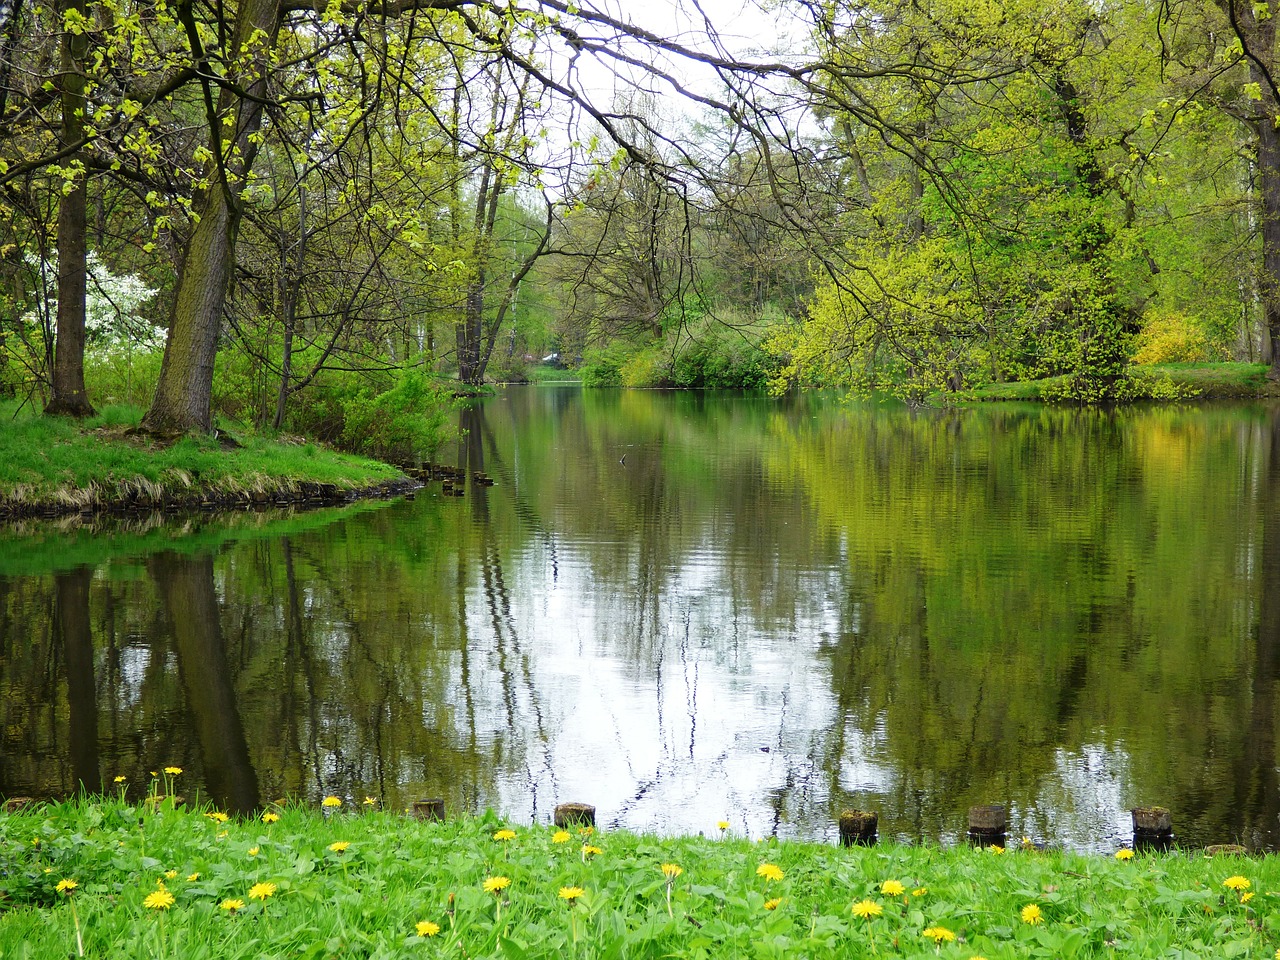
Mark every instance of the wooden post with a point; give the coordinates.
(1152, 828)
(575, 815)
(988, 825)
(432, 809)
(858, 827)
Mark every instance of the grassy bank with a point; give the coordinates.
(1206, 381)
(58, 465)
(146, 879)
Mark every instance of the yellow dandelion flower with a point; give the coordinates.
(770, 871)
(192, 877)
(772, 904)
(570, 893)
(504, 835)
(217, 816)
(158, 900)
(919, 891)
(253, 851)
(231, 905)
(586, 831)
(995, 848)
(1246, 897)
(496, 884)
(938, 934)
(66, 885)
(892, 888)
(330, 802)
(560, 836)
(671, 870)
(866, 909)
(170, 874)
(1125, 854)
(589, 851)
(173, 771)
(340, 846)
(1237, 883)
(1031, 914)
(426, 928)
(119, 780)
(372, 802)
(722, 825)
(260, 891)
(270, 817)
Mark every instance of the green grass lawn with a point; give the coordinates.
(60, 461)
(124, 877)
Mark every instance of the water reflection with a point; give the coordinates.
(687, 608)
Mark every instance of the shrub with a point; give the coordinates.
(1171, 338)
(410, 419)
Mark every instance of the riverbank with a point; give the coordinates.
(108, 877)
(56, 467)
(1177, 381)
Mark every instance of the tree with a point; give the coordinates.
(994, 199)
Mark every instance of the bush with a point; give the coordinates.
(506, 369)
(602, 366)
(411, 419)
(1171, 338)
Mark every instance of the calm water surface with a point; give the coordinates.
(687, 608)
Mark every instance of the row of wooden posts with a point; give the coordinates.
(988, 824)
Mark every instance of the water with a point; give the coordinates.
(692, 608)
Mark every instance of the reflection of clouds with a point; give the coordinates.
(1084, 801)
(666, 705)
(132, 662)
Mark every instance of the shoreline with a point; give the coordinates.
(131, 499)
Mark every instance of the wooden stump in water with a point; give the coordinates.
(575, 815)
(1225, 850)
(988, 824)
(1152, 828)
(432, 809)
(858, 827)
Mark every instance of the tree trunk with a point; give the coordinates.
(184, 393)
(1257, 38)
(68, 395)
(1269, 191)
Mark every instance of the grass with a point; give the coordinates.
(1198, 380)
(73, 465)
(152, 879)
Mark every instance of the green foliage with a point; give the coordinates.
(706, 355)
(409, 419)
(507, 368)
(602, 366)
(122, 374)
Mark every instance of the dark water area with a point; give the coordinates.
(687, 608)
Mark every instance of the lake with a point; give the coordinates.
(686, 608)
